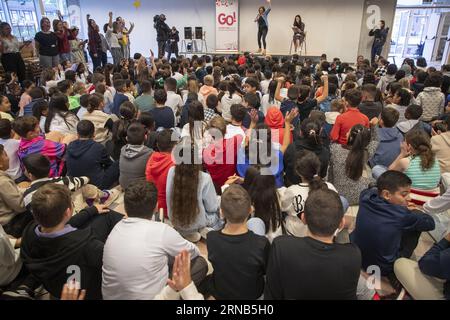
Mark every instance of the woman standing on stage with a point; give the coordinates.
(299, 32)
(263, 26)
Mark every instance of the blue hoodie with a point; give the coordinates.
(379, 229)
(389, 147)
(88, 158)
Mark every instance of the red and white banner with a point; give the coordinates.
(227, 25)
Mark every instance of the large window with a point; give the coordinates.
(22, 15)
(23, 18)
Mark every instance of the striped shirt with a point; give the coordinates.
(72, 183)
(423, 179)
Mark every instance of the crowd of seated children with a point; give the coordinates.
(287, 143)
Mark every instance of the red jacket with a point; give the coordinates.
(215, 158)
(156, 172)
(345, 122)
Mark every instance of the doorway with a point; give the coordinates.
(421, 31)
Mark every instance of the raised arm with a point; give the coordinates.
(278, 90)
(110, 22)
(131, 28)
(152, 60)
(290, 116)
(324, 95)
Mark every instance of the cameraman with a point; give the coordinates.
(162, 31)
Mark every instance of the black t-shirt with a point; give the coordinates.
(370, 109)
(307, 269)
(164, 117)
(48, 43)
(239, 264)
(305, 108)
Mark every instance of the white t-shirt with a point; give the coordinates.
(226, 104)
(11, 148)
(293, 198)
(174, 101)
(64, 126)
(293, 201)
(113, 38)
(233, 131)
(265, 104)
(265, 86)
(135, 259)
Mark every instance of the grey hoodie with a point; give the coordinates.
(133, 160)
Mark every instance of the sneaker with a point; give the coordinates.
(259, 50)
(192, 237)
(109, 196)
(204, 232)
(21, 293)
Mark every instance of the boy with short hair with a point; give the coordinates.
(368, 106)
(163, 115)
(238, 256)
(158, 166)
(32, 141)
(251, 85)
(145, 101)
(174, 100)
(84, 104)
(119, 97)
(251, 102)
(238, 114)
(11, 199)
(413, 114)
(386, 228)
(146, 246)
(326, 270)
(58, 242)
(11, 147)
(85, 157)
(134, 155)
(389, 139)
(351, 117)
(208, 88)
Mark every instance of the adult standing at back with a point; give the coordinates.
(10, 52)
(95, 42)
(46, 43)
(380, 33)
(162, 31)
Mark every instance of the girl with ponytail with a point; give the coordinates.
(418, 161)
(310, 139)
(293, 198)
(348, 166)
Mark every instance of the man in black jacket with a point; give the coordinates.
(162, 34)
(380, 34)
(58, 247)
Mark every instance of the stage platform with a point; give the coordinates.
(314, 58)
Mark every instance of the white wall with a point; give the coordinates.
(333, 26)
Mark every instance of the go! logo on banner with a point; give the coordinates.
(224, 19)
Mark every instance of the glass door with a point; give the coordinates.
(442, 38)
